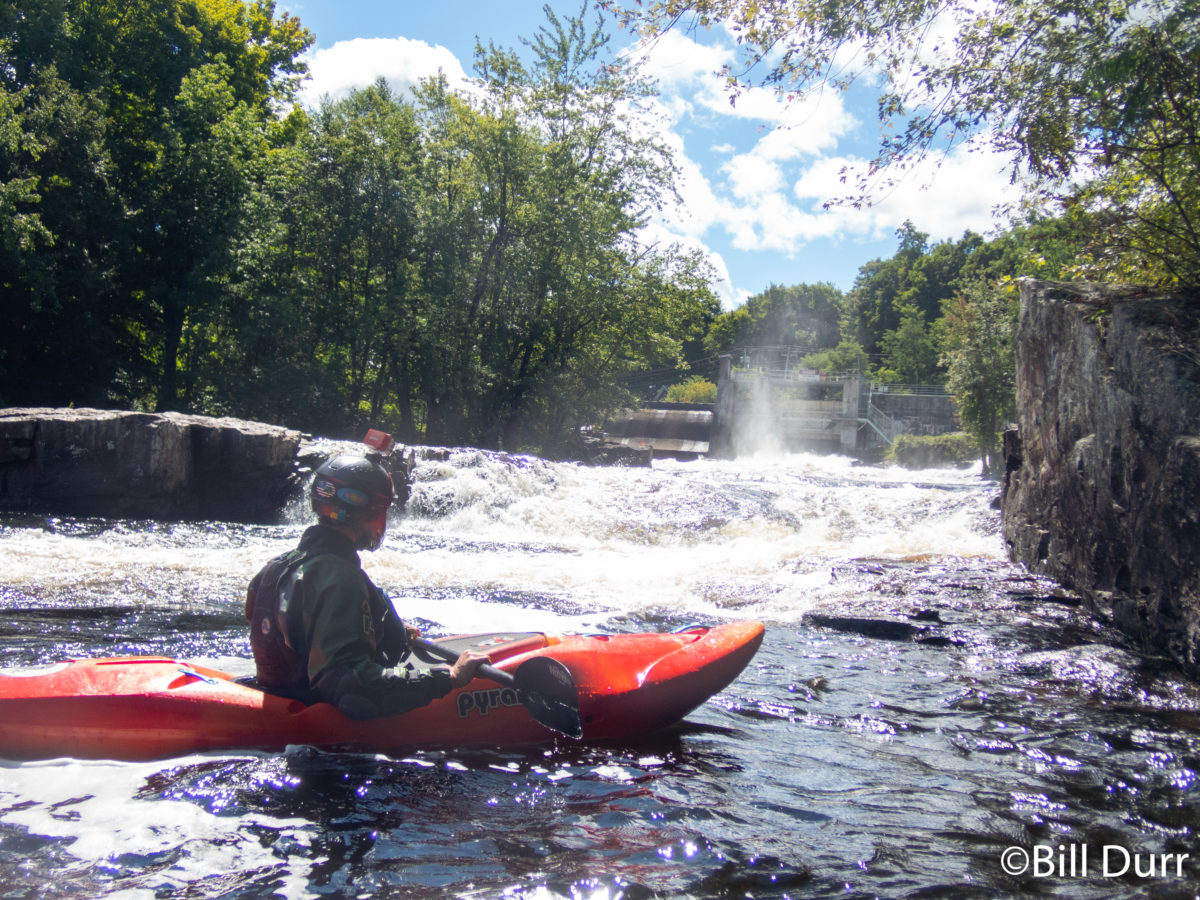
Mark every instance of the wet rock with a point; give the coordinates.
(1102, 483)
(880, 629)
(595, 451)
(940, 641)
(1057, 595)
(926, 615)
(114, 463)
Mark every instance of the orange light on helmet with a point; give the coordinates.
(380, 440)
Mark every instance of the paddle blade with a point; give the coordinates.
(548, 691)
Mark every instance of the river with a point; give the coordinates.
(992, 740)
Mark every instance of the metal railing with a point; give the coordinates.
(782, 364)
(885, 426)
(934, 390)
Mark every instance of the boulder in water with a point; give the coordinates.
(115, 463)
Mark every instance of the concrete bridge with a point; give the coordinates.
(766, 403)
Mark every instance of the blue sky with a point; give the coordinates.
(755, 174)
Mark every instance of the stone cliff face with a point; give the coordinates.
(91, 462)
(1102, 489)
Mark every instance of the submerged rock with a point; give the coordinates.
(879, 629)
(1102, 483)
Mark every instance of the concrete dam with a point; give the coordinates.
(780, 408)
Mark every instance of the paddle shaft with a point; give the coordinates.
(543, 685)
(487, 670)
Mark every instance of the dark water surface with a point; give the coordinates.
(924, 719)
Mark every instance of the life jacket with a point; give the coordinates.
(280, 651)
(275, 610)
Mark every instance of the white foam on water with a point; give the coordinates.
(746, 537)
(490, 542)
(705, 538)
(44, 559)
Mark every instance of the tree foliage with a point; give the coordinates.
(129, 147)
(909, 351)
(847, 356)
(953, 312)
(696, 389)
(805, 315)
(980, 324)
(1103, 91)
(460, 267)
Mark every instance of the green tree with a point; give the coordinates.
(1039, 246)
(599, 178)
(465, 267)
(1139, 100)
(805, 315)
(325, 298)
(358, 236)
(60, 217)
(453, 236)
(910, 354)
(696, 389)
(847, 356)
(140, 122)
(882, 287)
(533, 198)
(205, 79)
(65, 338)
(918, 276)
(980, 324)
(208, 146)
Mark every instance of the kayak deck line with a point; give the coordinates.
(152, 707)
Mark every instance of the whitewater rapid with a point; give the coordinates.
(752, 538)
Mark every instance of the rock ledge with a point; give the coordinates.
(113, 463)
(1102, 488)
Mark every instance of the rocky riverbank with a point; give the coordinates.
(114, 463)
(1102, 489)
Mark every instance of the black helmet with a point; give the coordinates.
(356, 491)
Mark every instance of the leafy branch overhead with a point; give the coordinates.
(1095, 103)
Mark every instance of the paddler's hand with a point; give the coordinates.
(465, 667)
(412, 632)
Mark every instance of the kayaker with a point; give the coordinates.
(319, 628)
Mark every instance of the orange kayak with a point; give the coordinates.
(135, 708)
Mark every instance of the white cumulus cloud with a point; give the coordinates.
(337, 70)
(942, 195)
(762, 189)
(676, 61)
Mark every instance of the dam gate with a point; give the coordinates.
(767, 402)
